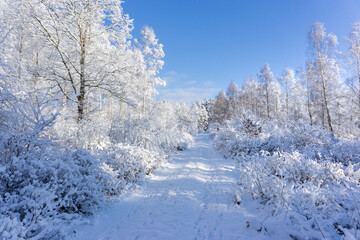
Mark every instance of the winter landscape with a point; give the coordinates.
(104, 137)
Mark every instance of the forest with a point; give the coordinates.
(80, 126)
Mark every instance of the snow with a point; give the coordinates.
(190, 197)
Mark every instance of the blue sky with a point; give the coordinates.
(208, 43)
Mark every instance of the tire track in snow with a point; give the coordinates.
(209, 226)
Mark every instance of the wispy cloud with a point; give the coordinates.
(171, 73)
(190, 82)
(208, 84)
(170, 76)
(188, 95)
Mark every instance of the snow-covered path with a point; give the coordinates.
(191, 197)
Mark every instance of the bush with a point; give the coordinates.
(126, 164)
(48, 185)
(41, 183)
(299, 172)
(165, 129)
(235, 140)
(323, 196)
(242, 136)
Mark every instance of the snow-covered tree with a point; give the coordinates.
(353, 55)
(288, 81)
(18, 48)
(209, 105)
(268, 90)
(220, 108)
(88, 48)
(294, 94)
(323, 71)
(233, 98)
(152, 52)
(202, 115)
(249, 96)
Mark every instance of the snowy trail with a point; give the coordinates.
(191, 197)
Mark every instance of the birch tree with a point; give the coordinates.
(220, 108)
(89, 47)
(233, 98)
(288, 80)
(249, 96)
(353, 55)
(324, 70)
(16, 45)
(151, 55)
(266, 77)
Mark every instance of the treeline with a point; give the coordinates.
(325, 93)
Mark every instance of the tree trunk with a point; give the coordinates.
(81, 96)
(358, 72)
(328, 113)
(267, 103)
(309, 111)
(81, 102)
(326, 105)
(309, 101)
(287, 101)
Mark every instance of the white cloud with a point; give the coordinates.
(187, 95)
(208, 84)
(190, 82)
(171, 73)
(174, 77)
(170, 76)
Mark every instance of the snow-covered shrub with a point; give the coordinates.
(126, 163)
(235, 139)
(41, 183)
(90, 133)
(323, 197)
(299, 136)
(346, 152)
(165, 128)
(311, 141)
(224, 141)
(42, 187)
(238, 137)
(299, 173)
